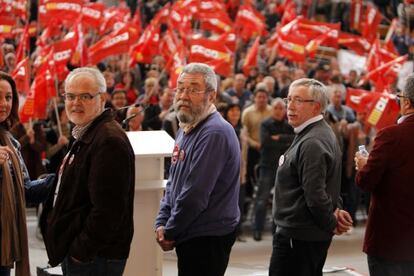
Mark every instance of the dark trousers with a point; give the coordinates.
(381, 267)
(204, 256)
(4, 271)
(266, 183)
(253, 156)
(98, 266)
(299, 258)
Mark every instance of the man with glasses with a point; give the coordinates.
(87, 222)
(307, 187)
(199, 211)
(388, 174)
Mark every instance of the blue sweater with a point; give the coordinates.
(201, 197)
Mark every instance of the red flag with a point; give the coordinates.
(289, 12)
(80, 54)
(291, 45)
(385, 74)
(382, 108)
(205, 9)
(356, 14)
(313, 29)
(314, 44)
(147, 46)
(249, 22)
(384, 111)
(180, 21)
(372, 20)
(161, 16)
(388, 38)
(92, 14)
(178, 61)
(66, 10)
(24, 47)
(36, 101)
(213, 53)
(21, 76)
(115, 43)
(354, 42)
(112, 17)
(218, 23)
(6, 26)
(250, 60)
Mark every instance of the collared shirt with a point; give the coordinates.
(188, 127)
(402, 118)
(308, 122)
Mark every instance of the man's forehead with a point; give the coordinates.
(191, 78)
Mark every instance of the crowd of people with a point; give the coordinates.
(259, 106)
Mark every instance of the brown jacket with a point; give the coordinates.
(93, 212)
(389, 176)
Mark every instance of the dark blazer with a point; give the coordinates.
(93, 213)
(389, 176)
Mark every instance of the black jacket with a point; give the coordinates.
(93, 213)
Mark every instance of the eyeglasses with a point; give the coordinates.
(298, 101)
(70, 97)
(189, 90)
(399, 96)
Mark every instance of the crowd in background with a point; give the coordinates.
(142, 99)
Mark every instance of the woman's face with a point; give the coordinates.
(6, 100)
(233, 114)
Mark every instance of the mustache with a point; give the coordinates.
(183, 102)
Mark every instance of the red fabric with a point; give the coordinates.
(92, 14)
(213, 53)
(6, 26)
(372, 20)
(21, 76)
(313, 29)
(161, 16)
(354, 42)
(249, 23)
(389, 175)
(115, 43)
(291, 45)
(288, 9)
(147, 46)
(65, 10)
(356, 14)
(251, 57)
(36, 101)
(23, 47)
(384, 111)
(385, 74)
(217, 23)
(112, 16)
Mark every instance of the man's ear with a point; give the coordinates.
(212, 96)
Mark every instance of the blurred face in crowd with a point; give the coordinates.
(239, 82)
(191, 98)
(336, 98)
(119, 99)
(6, 100)
(82, 110)
(109, 78)
(260, 99)
(298, 111)
(233, 114)
(278, 111)
(167, 98)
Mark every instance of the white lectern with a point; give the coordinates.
(150, 149)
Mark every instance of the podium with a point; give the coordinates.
(150, 149)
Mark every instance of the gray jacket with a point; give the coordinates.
(308, 184)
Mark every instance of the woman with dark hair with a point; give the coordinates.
(15, 186)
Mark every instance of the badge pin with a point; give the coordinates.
(281, 160)
(175, 154)
(182, 155)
